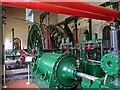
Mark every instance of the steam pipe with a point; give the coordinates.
(57, 9)
(88, 7)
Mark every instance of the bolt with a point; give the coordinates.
(112, 56)
(112, 73)
(55, 80)
(106, 71)
(61, 87)
(75, 78)
(101, 60)
(117, 61)
(65, 88)
(49, 72)
(56, 87)
(116, 69)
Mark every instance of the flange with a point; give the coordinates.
(64, 71)
(110, 64)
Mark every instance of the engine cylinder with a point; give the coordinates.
(56, 70)
(115, 39)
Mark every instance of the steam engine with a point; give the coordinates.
(96, 65)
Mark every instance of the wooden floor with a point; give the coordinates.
(21, 85)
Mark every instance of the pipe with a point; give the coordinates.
(88, 7)
(90, 29)
(89, 77)
(57, 9)
(114, 40)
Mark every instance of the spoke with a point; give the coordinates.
(34, 38)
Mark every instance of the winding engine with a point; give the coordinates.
(95, 67)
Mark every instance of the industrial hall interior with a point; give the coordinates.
(60, 45)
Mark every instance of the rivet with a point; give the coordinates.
(116, 69)
(117, 61)
(65, 87)
(106, 71)
(55, 80)
(61, 87)
(112, 56)
(75, 78)
(112, 72)
(56, 87)
(101, 66)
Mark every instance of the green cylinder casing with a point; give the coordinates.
(95, 69)
(55, 71)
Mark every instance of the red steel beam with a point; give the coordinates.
(57, 9)
(88, 7)
(118, 16)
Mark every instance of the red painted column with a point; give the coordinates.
(75, 38)
(87, 7)
(47, 38)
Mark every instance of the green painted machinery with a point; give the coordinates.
(110, 64)
(51, 70)
(54, 70)
(91, 52)
(94, 68)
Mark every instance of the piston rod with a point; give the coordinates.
(83, 75)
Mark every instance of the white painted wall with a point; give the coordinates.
(61, 17)
(16, 19)
(97, 25)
